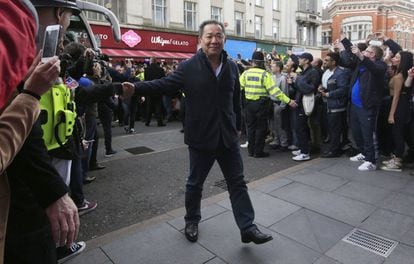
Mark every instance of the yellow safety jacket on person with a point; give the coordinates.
(141, 76)
(258, 83)
(57, 115)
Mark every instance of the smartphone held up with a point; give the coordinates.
(51, 39)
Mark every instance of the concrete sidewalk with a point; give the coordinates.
(308, 209)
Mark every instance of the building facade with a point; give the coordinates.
(249, 24)
(358, 18)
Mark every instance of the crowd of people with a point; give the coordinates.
(357, 100)
(50, 112)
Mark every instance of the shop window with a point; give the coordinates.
(190, 15)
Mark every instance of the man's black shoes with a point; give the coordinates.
(191, 232)
(330, 155)
(255, 236)
(261, 155)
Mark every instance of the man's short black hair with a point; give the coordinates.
(209, 22)
(334, 56)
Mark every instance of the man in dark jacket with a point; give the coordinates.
(154, 102)
(367, 84)
(334, 89)
(306, 83)
(211, 86)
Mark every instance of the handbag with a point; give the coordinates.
(308, 102)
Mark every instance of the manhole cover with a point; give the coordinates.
(374, 243)
(223, 185)
(139, 150)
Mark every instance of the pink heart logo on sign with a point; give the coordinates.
(131, 38)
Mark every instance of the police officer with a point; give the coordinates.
(259, 88)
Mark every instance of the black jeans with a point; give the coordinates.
(302, 130)
(105, 115)
(335, 123)
(154, 105)
(257, 125)
(231, 165)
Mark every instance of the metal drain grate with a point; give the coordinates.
(374, 243)
(139, 150)
(223, 185)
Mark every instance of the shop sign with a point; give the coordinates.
(146, 40)
(131, 38)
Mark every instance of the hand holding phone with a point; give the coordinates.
(50, 42)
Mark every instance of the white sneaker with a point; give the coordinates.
(292, 147)
(301, 157)
(358, 157)
(245, 145)
(394, 164)
(367, 166)
(296, 152)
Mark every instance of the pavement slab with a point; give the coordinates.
(378, 178)
(273, 185)
(230, 249)
(206, 213)
(326, 260)
(329, 204)
(313, 230)
(268, 209)
(317, 179)
(215, 261)
(363, 192)
(400, 203)
(388, 224)
(402, 254)
(408, 237)
(409, 188)
(94, 256)
(158, 244)
(350, 254)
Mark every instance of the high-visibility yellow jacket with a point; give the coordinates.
(58, 115)
(141, 76)
(258, 83)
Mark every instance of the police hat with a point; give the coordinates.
(71, 4)
(258, 56)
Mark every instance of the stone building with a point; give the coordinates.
(358, 18)
(250, 24)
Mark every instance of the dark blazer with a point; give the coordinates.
(337, 87)
(306, 82)
(371, 82)
(212, 103)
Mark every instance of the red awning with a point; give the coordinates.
(125, 53)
